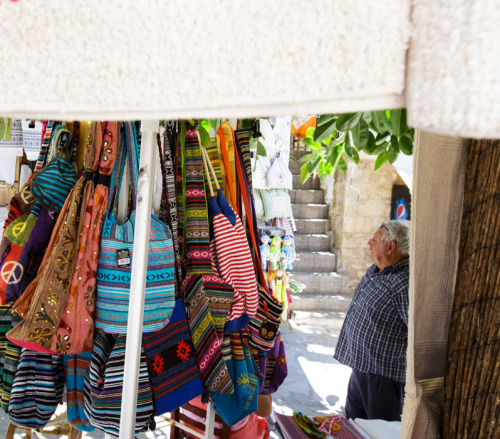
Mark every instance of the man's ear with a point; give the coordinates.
(391, 248)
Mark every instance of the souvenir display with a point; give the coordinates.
(66, 267)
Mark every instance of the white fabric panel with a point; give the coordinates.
(436, 212)
(453, 81)
(144, 59)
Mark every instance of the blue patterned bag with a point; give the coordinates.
(243, 370)
(116, 256)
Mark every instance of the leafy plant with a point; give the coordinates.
(339, 138)
(5, 128)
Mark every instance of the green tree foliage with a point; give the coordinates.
(339, 138)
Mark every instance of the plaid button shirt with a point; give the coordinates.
(374, 335)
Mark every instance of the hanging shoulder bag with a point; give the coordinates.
(37, 389)
(116, 256)
(75, 332)
(103, 386)
(9, 355)
(53, 183)
(207, 343)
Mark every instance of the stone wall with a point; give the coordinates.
(361, 202)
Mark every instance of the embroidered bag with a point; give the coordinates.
(173, 371)
(103, 386)
(195, 287)
(243, 369)
(75, 333)
(9, 355)
(75, 367)
(37, 389)
(53, 183)
(115, 262)
(42, 304)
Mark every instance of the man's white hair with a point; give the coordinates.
(399, 232)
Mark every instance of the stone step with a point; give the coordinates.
(311, 183)
(322, 283)
(332, 321)
(302, 196)
(315, 261)
(312, 225)
(295, 166)
(296, 154)
(319, 211)
(312, 242)
(320, 302)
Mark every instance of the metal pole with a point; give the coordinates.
(210, 425)
(149, 130)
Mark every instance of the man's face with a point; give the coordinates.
(378, 249)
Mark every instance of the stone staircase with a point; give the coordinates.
(325, 299)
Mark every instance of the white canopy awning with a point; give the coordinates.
(145, 59)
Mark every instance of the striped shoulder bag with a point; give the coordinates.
(116, 257)
(53, 183)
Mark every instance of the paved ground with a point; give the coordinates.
(316, 383)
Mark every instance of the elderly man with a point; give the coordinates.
(374, 335)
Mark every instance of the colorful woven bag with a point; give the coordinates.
(42, 308)
(37, 389)
(273, 366)
(11, 271)
(75, 367)
(29, 260)
(53, 183)
(116, 256)
(173, 371)
(195, 287)
(75, 333)
(9, 355)
(263, 328)
(103, 386)
(231, 258)
(243, 369)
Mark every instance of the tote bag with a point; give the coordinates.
(37, 389)
(11, 271)
(9, 355)
(116, 257)
(31, 256)
(75, 332)
(243, 369)
(195, 287)
(173, 371)
(103, 386)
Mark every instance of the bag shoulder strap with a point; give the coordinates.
(225, 157)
